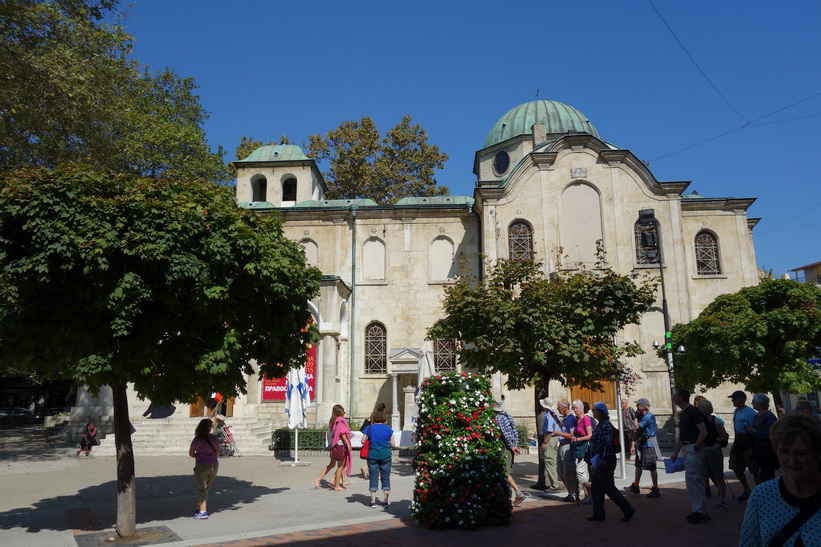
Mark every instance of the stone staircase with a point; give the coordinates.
(163, 437)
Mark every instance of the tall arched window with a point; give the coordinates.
(376, 349)
(259, 189)
(707, 262)
(373, 260)
(444, 355)
(520, 241)
(647, 243)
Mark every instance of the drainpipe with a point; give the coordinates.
(353, 331)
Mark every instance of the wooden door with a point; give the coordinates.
(607, 395)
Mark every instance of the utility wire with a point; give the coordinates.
(789, 219)
(695, 63)
(752, 123)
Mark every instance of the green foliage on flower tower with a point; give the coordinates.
(460, 475)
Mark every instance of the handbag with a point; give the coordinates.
(366, 447)
(580, 449)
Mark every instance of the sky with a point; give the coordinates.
(724, 94)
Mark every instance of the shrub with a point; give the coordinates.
(460, 476)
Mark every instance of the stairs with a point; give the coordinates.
(165, 437)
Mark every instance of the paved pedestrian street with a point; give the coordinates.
(54, 498)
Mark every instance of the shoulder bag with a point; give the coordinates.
(797, 522)
(366, 446)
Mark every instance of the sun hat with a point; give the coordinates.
(602, 408)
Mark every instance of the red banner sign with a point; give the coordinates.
(275, 389)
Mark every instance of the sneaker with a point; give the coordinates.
(519, 499)
(721, 504)
(654, 493)
(743, 497)
(373, 504)
(569, 499)
(697, 518)
(201, 515)
(385, 504)
(634, 488)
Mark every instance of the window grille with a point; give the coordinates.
(707, 254)
(376, 349)
(444, 355)
(520, 241)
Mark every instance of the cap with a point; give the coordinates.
(740, 394)
(644, 401)
(602, 407)
(498, 406)
(547, 403)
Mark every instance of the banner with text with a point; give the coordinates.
(275, 389)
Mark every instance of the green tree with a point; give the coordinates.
(535, 329)
(109, 279)
(760, 337)
(71, 91)
(364, 165)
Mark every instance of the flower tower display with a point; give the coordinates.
(460, 475)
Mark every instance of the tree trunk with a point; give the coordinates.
(126, 481)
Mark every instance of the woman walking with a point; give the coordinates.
(379, 454)
(581, 438)
(339, 439)
(365, 424)
(603, 463)
(205, 450)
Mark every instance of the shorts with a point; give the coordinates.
(647, 457)
(713, 464)
(743, 459)
(508, 462)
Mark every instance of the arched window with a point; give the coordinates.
(289, 189)
(444, 355)
(647, 243)
(259, 189)
(376, 349)
(707, 262)
(520, 241)
(311, 252)
(581, 225)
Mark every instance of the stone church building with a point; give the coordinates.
(547, 186)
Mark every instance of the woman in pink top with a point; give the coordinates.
(580, 439)
(339, 439)
(205, 450)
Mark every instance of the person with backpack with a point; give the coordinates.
(714, 457)
(602, 455)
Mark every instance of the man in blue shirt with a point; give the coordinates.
(741, 454)
(550, 446)
(645, 447)
(566, 456)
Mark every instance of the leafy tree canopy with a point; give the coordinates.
(535, 329)
(760, 337)
(364, 165)
(108, 279)
(71, 92)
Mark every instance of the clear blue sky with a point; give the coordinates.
(270, 68)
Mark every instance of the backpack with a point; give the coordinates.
(616, 440)
(712, 431)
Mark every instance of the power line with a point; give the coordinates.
(695, 63)
(746, 125)
(789, 219)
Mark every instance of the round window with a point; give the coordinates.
(501, 162)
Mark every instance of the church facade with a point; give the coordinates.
(548, 187)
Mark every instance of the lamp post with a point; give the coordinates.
(651, 248)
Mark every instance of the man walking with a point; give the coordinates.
(627, 427)
(692, 434)
(760, 431)
(646, 448)
(741, 453)
(511, 439)
(566, 457)
(550, 445)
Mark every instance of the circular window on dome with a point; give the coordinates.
(501, 162)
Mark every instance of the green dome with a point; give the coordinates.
(559, 118)
(276, 152)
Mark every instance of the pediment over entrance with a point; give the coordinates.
(404, 360)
